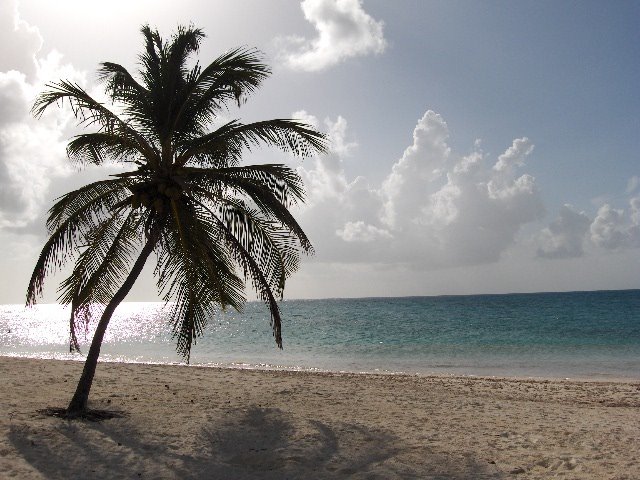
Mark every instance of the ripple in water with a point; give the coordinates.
(580, 334)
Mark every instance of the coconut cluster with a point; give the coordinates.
(157, 193)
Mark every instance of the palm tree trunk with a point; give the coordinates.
(78, 404)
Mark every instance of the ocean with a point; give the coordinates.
(552, 335)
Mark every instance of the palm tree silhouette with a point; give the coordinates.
(187, 198)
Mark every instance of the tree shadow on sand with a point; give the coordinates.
(252, 443)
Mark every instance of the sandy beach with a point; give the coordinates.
(194, 422)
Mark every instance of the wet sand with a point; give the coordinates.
(192, 422)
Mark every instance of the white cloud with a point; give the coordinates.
(326, 179)
(634, 203)
(565, 236)
(514, 156)
(30, 157)
(573, 233)
(422, 163)
(434, 208)
(607, 228)
(454, 210)
(361, 232)
(20, 41)
(344, 30)
(32, 151)
(611, 230)
(306, 117)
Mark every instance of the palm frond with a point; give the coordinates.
(232, 76)
(99, 270)
(183, 43)
(235, 74)
(264, 198)
(261, 283)
(165, 76)
(283, 182)
(96, 148)
(133, 98)
(224, 146)
(94, 199)
(89, 112)
(71, 222)
(103, 262)
(150, 60)
(195, 272)
(264, 251)
(268, 243)
(119, 83)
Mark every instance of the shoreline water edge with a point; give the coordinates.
(372, 373)
(582, 335)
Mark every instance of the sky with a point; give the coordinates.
(476, 146)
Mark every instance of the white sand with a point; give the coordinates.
(189, 422)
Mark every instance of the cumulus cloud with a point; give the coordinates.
(31, 151)
(361, 232)
(20, 41)
(634, 205)
(438, 209)
(611, 229)
(458, 209)
(565, 236)
(422, 164)
(435, 208)
(339, 213)
(327, 179)
(343, 29)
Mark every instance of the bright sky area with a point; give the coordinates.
(477, 147)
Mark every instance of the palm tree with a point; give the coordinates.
(211, 223)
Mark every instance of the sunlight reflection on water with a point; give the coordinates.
(588, 333)
(40, 325)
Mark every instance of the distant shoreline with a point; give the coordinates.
(375, 297)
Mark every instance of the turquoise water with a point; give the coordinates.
(560, 335)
